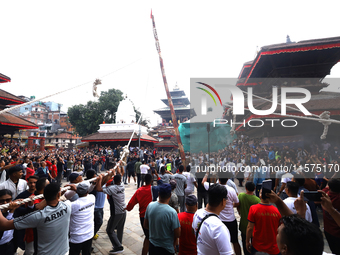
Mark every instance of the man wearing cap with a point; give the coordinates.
(82, 222)
(72, 194)
(187, 240)
(163, 223)
(15, 184)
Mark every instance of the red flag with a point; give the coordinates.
(151, 14)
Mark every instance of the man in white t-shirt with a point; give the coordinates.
(227, 215)
(144, 168)
(284, 180)
(212, 235)
(82, 221)
(292, 189)
(14, 183)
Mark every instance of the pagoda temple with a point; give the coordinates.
(9, 123)
(303, 64)
(167, 140)
(181, 105)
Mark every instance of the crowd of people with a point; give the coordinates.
(183, 208)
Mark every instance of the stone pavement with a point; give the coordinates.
(133, 234)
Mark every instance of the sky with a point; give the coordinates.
(50, 46)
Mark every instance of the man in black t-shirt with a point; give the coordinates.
(202, 193)
(178, 162)
(60, 169)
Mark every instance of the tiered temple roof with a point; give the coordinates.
(181, 105)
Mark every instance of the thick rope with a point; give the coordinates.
(125, 154)
(26, 200)
(123, 161)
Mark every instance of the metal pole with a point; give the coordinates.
(208, 130)
(139, 137)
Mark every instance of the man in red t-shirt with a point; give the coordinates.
(48, 163)
(263, 221)
(54, 171)
(187, 240)
(144, 196)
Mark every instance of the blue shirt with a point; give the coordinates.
(155, 189)
(100, 200)
(163, 220)
(260, 175)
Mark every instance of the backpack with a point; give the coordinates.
(200, 225)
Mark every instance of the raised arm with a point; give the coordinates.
(281, 206)
(326, 204)
(99, 183)
(106, 178)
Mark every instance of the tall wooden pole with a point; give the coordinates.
(172, 110)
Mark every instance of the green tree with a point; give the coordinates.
(85, 118)
(108, 104)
